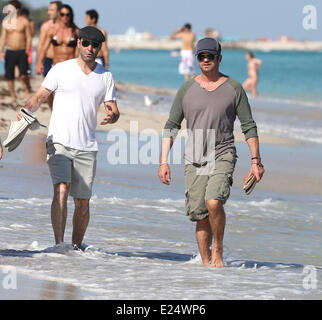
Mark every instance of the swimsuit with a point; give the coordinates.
(15, 58)
(72, 42)
(187, 64)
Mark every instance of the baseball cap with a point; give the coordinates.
(210, 45)
(92, 34)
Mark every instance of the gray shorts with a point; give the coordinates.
(210, 182)
(72, 166)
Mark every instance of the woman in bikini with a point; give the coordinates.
(254, 64)
(63, 36)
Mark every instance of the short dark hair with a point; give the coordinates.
(57, 3)
(24, 11)
(188, 26)
(93, 14)
(251, 54)
(16, 4)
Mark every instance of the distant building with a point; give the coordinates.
(131, 35)
(212, 33)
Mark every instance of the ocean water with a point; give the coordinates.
(285, 75)
(141, 245)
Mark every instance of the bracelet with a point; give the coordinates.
(164, 162)
(258, 158)
(258, 164)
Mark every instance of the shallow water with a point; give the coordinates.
(140, 244)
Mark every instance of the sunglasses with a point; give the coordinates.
(65, 14)
(86, 43)
(208, 56)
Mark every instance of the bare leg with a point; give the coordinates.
(59, 210)
(80, 220)
(204, 238)
(11, 85)
(254, 89)
(26, 86)
(217, 219)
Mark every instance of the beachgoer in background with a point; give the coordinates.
(53, 13)
(17, 37)
(210, 104)
(25, 13)
(254, 64)
(91, 19)
(63, 37)
(187, 64)
(71, 142)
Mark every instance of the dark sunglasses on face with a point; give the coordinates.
(86, 43)
(65, 14)
(203, 56)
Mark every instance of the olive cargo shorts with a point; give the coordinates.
(212, 181)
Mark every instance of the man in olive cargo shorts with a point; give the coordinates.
(210, 103)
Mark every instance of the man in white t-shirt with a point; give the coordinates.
(80, 86)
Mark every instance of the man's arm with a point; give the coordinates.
(35, 101)
(28, 36)
(3, 39)
(104, 48)
(41, 40)
(112, 112)
(164, 169)
(41, 53)
(256, 165)
(177, 34)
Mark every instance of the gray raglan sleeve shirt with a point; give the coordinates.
(242, 108)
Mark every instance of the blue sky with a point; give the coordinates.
(244, 18)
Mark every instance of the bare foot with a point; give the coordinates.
(217, 260)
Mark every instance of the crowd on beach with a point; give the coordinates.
(74, 62)
(57, 42)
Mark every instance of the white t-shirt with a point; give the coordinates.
(77, 98)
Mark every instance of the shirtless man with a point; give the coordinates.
(254, 64)
(53, 11)
(91, 19)
(187, 64)
(17, 37)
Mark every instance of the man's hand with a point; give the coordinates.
(19, 115)
(164, 173)
(109, 117)
(39, 68)
(258, 171)
(112, 112)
